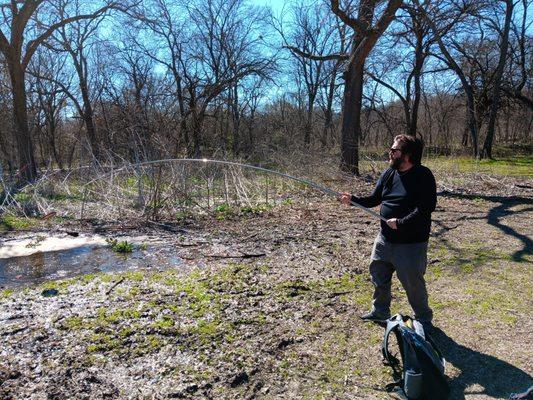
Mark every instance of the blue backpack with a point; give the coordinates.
(420, 375)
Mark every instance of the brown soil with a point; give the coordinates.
(270, 309)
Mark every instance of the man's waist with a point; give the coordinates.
(412, 234)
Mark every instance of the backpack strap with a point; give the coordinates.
(392, 326)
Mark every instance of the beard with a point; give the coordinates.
(395, 163)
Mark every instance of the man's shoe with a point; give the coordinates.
(375, 316)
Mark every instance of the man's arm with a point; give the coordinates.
(374, 199)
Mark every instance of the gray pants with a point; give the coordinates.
(409, 261)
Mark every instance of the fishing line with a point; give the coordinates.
(307, 182)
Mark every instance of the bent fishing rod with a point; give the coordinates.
(307, 182)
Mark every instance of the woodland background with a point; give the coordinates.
(110, 82)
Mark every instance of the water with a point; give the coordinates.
(43, 265)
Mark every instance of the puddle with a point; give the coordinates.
(32, 261)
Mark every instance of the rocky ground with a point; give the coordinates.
(267, 307)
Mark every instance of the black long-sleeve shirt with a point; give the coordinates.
(409, 196)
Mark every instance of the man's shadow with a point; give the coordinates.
(494, 217)
(491, 376)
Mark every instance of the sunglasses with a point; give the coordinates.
(393, 150)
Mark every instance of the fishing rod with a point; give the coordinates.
(307, 182)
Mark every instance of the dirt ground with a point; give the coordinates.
(268, 308)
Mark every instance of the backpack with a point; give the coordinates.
(422, 376)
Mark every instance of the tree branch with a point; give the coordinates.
(4, 44)
(34, 44)
(353, 23)
(388, 86)
(517, 94)
(371, 37)
(329, 57)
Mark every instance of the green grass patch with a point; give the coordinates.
(258, 209)
(513, 166)
(64, 196)
(287, 202)
(223, 211)
(4, 294)
(120, 246)
(467, 257)
(491, 304)
(14, 223)
(22, 197)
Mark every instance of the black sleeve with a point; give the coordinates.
(426, 201)
(375, 198)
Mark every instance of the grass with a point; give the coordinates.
(14, 223)
(467, 257)
(225, 317)
(509, 166)
(6, 293)
(518, 166)
(120, 246)
(193, 309)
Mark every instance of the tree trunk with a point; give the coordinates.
(487, 146)
(417, 72)
(472, 119)
(308, 123)
(351, 117)
(236, 120)
(328, 112)
(27, 165)
(194, 150)
(88, 117)
(363, 43)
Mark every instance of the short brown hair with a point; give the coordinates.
(412, 146)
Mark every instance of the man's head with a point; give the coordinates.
(405, 152)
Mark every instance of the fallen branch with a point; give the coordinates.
(244, 255)
(108, 292)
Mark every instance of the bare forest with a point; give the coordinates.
(111, 82)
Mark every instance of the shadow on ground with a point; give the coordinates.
(486, 374)
(502, 209)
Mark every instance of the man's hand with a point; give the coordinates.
(345, 198)
(392, 223)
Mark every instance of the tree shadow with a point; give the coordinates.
(489, 375)
(501, 210)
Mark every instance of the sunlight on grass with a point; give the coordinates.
(512, 166)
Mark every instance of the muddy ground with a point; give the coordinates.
(267, 306)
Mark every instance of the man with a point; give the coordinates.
(407, 194)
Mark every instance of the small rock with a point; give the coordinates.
(181, 394)
(239, 379)
(92, 379)
(285, 342)
(49, 292)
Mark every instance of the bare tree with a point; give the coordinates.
(76, 39)
(517, 82)
(28, 25)
(363, 41)
(504, 44)
(208, 48)
(312, 30)
(442, 19)
(6, 144)
(50, 99)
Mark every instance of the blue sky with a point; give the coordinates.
(276, 5)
